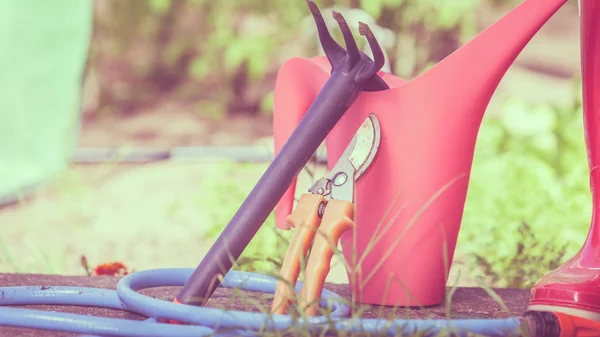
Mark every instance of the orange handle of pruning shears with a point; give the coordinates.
(337, 219)
(305, 218)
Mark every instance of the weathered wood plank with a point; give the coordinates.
(466, 302)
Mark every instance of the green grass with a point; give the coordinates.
(528, 207)
(220, 196)
(357, 309)
(274, 243)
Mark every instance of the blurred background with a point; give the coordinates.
(172, 73)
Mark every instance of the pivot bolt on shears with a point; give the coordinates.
(328, 211)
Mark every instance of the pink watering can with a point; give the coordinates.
(409, 204)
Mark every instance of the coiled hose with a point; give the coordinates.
(203, 321)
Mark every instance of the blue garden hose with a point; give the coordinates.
(203, 321)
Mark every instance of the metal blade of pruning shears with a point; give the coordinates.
(358, 156)
(364, 145)
(329, 207)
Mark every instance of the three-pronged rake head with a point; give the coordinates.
(351, 60)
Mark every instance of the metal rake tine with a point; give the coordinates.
(334, 52)
(351, 47)
(378, 56)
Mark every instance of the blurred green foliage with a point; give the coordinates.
(528, 207)
(222, 56)
(224, 193)
(529, 204)
(523, 266)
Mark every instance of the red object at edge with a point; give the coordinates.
(576, 284)
(571, 326)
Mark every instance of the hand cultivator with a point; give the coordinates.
(383, 135)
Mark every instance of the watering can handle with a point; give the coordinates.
(337, 219)
(305, 219)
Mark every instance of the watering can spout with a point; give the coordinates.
(476, 69)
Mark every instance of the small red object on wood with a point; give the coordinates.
(112, 269)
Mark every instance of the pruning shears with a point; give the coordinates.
(327, 211)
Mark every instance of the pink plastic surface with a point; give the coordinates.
(429, 127)
(576, 284)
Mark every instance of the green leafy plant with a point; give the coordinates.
(530, 167)
(226, 54)
(528, 262)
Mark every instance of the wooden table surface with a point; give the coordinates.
(466, 302)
